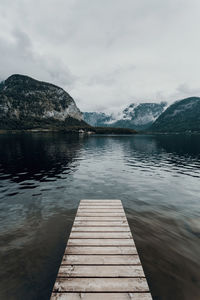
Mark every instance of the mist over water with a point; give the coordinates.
(44, 176)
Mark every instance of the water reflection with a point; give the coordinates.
(179, 153)
(43, 177)
(32, 170)
(36, 156)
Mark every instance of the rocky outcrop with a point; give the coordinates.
(29, 103)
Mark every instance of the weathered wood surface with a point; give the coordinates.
(107, 218)
(100, 235)
(100, 271)
(101, 285)
(101, 242)
(101, 296)
(100, 260)
(100, 209)
(100, 214)
(98, 206)
(100, 250)
(100, 223)
(100, 229)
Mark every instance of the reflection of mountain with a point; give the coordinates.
(36, 156)
(165, 151)
(187, 146)
(179, 145)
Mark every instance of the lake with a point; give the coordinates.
(43, 176)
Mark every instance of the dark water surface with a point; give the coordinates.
(43, 177)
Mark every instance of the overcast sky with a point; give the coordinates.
(105, 53)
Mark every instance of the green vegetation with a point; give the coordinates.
(111, 130)
(27, 123)
(182, 116)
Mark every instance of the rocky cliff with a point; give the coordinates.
(26, 103)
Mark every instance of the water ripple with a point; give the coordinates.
(43, 177)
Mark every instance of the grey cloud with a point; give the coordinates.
(111, 77)
(19, 57)
(187, 90)
(106, 53)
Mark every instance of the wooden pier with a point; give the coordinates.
(101, 261)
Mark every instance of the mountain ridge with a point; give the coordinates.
(138, 116)
(27, 103)
(181, 116)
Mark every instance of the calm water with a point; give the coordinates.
(43, 177)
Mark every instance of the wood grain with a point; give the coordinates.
(100, 259)
(100, 296)
(100, 242)
(100, 271)
(101, 285)
(100, 235)
(100, 229)
(100, 250)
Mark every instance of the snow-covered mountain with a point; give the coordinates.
(137, 116)
(98, 119)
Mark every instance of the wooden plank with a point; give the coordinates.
(100, 250)
(98, 219)
(99, 206)
(100, 271)
(100, 296)
(100, 203)
(100, 242)
(93, 214)
(100, 235)
(91, 207)
(101, 285)
(109, 206)
(100, 260)
(100, 229)
(122, 223)
(100, 210)
(101, 200)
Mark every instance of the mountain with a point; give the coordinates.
(26, 103)
(136, 116)
(97, 118)
(140, 116)
(181, 116)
